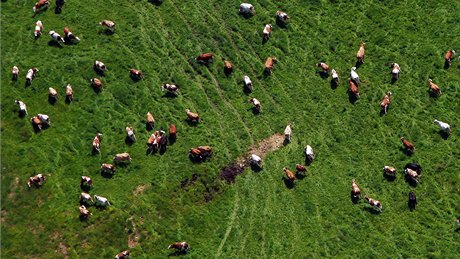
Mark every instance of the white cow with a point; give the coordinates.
(15, 72)
(288, 132)
(173, 89)
(101, 201)
(309, 153)
(282, 16)
(38, 29)
(85, 198)
(256, 160)
(443, 126)
(22, 107)
(100, 66)
(56, 36)
(353, 75)
(267, 31)
(123, 157)
(31, 75)
(395, 70)
(44, 118)
(248, 83)
(335, 76)
(247, 9)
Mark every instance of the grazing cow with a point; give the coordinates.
(130, 133)
(374, 203)
(389, 170)
(205, 58)
(122, 157)
(412, 200)
(458, 221)
(409, 146)
(96, 84)
(289, 175)
(108, 168)
(56, 37)
(443, 126)
(181, 247)
(256, 161)
(385, 102)
(22, 107)
(395, 69)
(69, 93)
(101, 201)
(109, 25)
(256, 104)
(52, 93)
(97, 143)
(300, 169)
(69, 37)
(150, 121)
(40, 5)
(448, 57)
(85, 198)
(84, 212)
(171, 89)
(361, 53)
(267, 31)
(247, 9)
(248, 83)
(324, 67)
(99, 66)
(335, 77)
(172, 132)
(282, 17)
(353, 88)
(122, 255)
(192, 117)
(268, 66)
(31, 73)
(86, 182)
(288, 133)
(38, 29)
(434, 87)
(40, 120)
(354, 76)
(355, 191)
(15, 73)
(411, 174)
(152, 140)
(36, 180)
(228, 67)
(309, 153)
(135, 74)
(201, 152)
(415, 167)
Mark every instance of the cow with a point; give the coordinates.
(36, 180)
(434, 87)
(101, 201)
(96, 84)
(69, 93)
(38, 29)
(31, 73)
(192, 117)
(122, 157)
(374, 203)
(84, 212)
(412, 200)
(324, 67)
(15, 73)
(40, 5)
(414, 167)
(108, 168)
(309, 154)
(205, 58)
(268, 66)
(288, 133)
(122, 255)
(300, 169)
(411, 175)
(247, 9)
(108, 25)
(443, 126)
(86, 182)
(360, 54)
(85, 198)
(200, 153)
(56, 37)
(172, 132)
(135, 74)
(353, 88)
(150, 121)
(395, 70)
(355, 191)
(409, 146)
(52, 94)
(385, 102)
(97, 143)
(282, 17)
(153, 142)
(267, 31)
(448, 58)
(228, 67)
(40, 121)
(389, 171)
(289, 175)
(335, 77)
(130, 134)
(255, 161)
(181, 247)
(247, 83)
(354, 76)
(22, 108)
(99, 66)
(69, 37)
(163, 142)
(257, 107)
(458, 221)
(170, 88)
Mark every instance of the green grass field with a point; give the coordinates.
(257, 216)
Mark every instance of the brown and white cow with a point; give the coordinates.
(149, 121)
(122, 255)
(385, 102)
(180, 246)
(355, 191)
(411, 174)
(56, 37)
(69, 93)
(130, 133)
(324, 67)
(97, 142)
(36, 180)
(22, 108)
(282, 17)
(269, 63)
(201, 152)
(389, 170)
(247, 83)
(395, 70)
(85, 198)
(256, 103)
(361, 53)
(40, 5)
(108, 168)
(408, 145)
(99, 66)
(84, 212)
(52, 93)
(69, 37)
(205, 58)
(109, 25)
(172, 132)
(448, 57)
(170, 88)
(192, 117)
(267, 32)
(289, 175)
(38, 29)
(96, 84)
(300, 169)
(335, 77)
(135, 74)
(31, 73)
(40, 120)
(122, 157)
(353, 88)
(374, 203)
(434, 87)
(86, 182)
(247, 9)
(15, 73)
(228, 67)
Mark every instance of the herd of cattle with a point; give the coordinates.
(159, 139)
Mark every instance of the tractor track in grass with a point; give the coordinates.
(231, 221)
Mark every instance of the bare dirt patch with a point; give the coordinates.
(140, 189)
(63, 250)
(14, 187)
(134, 235)
(3, 214)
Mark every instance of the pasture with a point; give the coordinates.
(159, 199)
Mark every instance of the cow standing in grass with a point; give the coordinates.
(108, 168)
(170, 88)
(108, 25)
(385, 102)
(361, 53)
(101, 201)
(22, 108)
(122, 255)
(324, 67)
(268, 66)
(172, 132)
(38, 29)
(36, 180)
(85, 198)
(355, 191)
(353, 89)
(282, 17)
(247, 83)
(130, 134)
(52, 94)
(99, 66)
(389, 171)
(434, 87)
(40, 6)
(289, 175)
(444, 127)
(181, 247)
(96, 84)
(309, 153)
(149, 121)
(408, 145)
(97, 143)
(135, 74)
(205, 58)
(247, 9)
(122, 157)
(395, 70)
(335, 77)
(228, 67)
(15, 73)
(84, 212)
(69, 37)
(31, 73)
(354, 75)
(288, 133)
(257, 106)
(192, 117)
(86, 182)
(267, 32)
(56, 37)
(69, 93)
(448, 58)
(374, 203)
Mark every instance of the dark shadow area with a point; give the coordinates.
(171, 139)
(281, 24)
(96, 89)
(247, 89)
(22, 114)
(432, 94)
(382, 111)
(199, 159)
(300, 175)
(267, 72)
(389, 177)
(393, 80)
(169, 95)
(265, 40)
(406, 151)
(108, 32)
(68, 99)
(352, 98)
(54, 43)
(323, 74)
(308, 160)
(98, 71)
(163, 144)
(135, 78)
(457, 230)
(58, 10)
(446, 64)
(444, 135)
(412, 182)
(288, 183)
(255, 168)
(354, 198)
(412, 202)
(156, 2)
(83, 218)
(14, 77)
(108, 175)
(149, 126)
(334, 84)
(178, 253)
(153, 149)
(372, 210)
(129, 141)
(228, 71)
(254, 110)
(188, 182)
(95, 152)
(52, 100)
(191, 123)
(85, 188)
(245, 15)
(358, 63)
(286, 141)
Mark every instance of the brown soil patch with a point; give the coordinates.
(3, 216)
(14, 187)
(63, 250)
(140, 189)
(134, 235)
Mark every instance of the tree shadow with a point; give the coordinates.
(288, 183)
(354, 199)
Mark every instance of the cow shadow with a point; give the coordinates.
(22, 114)
(68, 99)
(151, 150)
(156, 2)
(227, 72)
(457, 230)
(54, 43)
(58, 10)
(191, 123)
(281, 24)
(96, 89)
(85, 188)
(352, 98)
(334, 84)
(149, 126)
(107, 175)
(169, 95)
(129, 141)
(444, 135)
(254, 110)
(288, 183)
(413, 183)
(372, 210)
(107, 32)
(308, 161)
(82, 218)
(52, 100)
(300, 175)
(323, 74)
(246, 15)
(98, 71)
(246, 90)
(412, 205)
(95, 152)
(353, 198)
(382, 112)
(162, 150)
(358, 63)
(171, 139)
(286, 141)
(389, 177)
(432, 94)
(255, 168)
(393, 80)
(264, 40)
(178, 253)
(406, 151)
(446, 64)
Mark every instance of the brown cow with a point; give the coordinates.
(97, 143)
(192, 117)
(86, 182)
(122, 255)
(108, 168)
(69, 93)
(109, 25)
(36, 180)
(409, 146)
(355, 191)
(96, 84)
(228, 67)
(290, 175)
(205, 58)
(84, 212)
(201, 152)
(300, 169)
(135, 74)
(150, 121)
(353, 88)
(40, 5)
(434, 87)
(324, 67)
(268, 66)
(172, 132)
(69, 37)
(448, 57)
(181, 247)
(361, 53)
(385, 102)
(389, 170)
